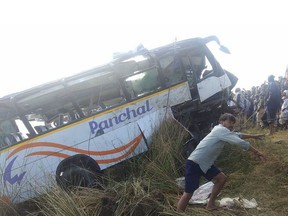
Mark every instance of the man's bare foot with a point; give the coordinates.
(212, 208)
(217, 208)
(269, 134)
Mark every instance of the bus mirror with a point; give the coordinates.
(214, 38)
(224, 49)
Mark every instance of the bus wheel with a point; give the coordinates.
(78, 171)
(191, 144)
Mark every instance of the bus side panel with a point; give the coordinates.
(119, 145)
(109, 137)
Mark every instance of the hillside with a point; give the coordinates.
(146, 185)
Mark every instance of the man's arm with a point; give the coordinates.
(257, 153)
(254, 136)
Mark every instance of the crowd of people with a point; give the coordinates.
(266, 106)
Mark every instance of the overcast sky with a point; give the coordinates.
(41, 41)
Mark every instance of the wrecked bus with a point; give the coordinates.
(74, 128)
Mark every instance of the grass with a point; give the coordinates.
(145, 185)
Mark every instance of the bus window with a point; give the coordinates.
(127, 67)
(172, 70)
(43, 109)
(197, 66)
(12, 131)
(143, 83)
(208, 69)
(97, 93)
(112, 95)
(36, 120)
(86, 95)
(194, 64)
(191, 77)
(6, 129)
(60, 115)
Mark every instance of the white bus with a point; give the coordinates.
(96, 119)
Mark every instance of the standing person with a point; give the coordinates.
(201, 161)
(283, 117)
(260, 110)
(255, 108)
(272, 103)
(240, 102)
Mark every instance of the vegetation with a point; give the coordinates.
(146, 185)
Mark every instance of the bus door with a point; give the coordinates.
(216, 84)
(204, 74)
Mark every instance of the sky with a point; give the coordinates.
(46, 40)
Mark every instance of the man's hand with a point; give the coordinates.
(259, 136)
(260, 156)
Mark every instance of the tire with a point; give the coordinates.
(192, 143)
(78, 171)
(188, 147)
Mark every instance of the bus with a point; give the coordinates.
(67, 129)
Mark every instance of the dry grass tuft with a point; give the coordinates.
(145, 185)
(7, 208)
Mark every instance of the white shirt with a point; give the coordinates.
(208, 150)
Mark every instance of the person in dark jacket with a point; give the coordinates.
(272, 103)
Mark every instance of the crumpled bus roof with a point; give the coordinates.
(183, 44)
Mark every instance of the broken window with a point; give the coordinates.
(97, 93)
(172, 70)
(12, 131)
(143, 83)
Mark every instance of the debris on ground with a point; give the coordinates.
(238, 202)
(201, 197)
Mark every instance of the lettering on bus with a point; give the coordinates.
(126, 115)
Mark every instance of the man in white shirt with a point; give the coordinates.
(283, 118)
(201, 161)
